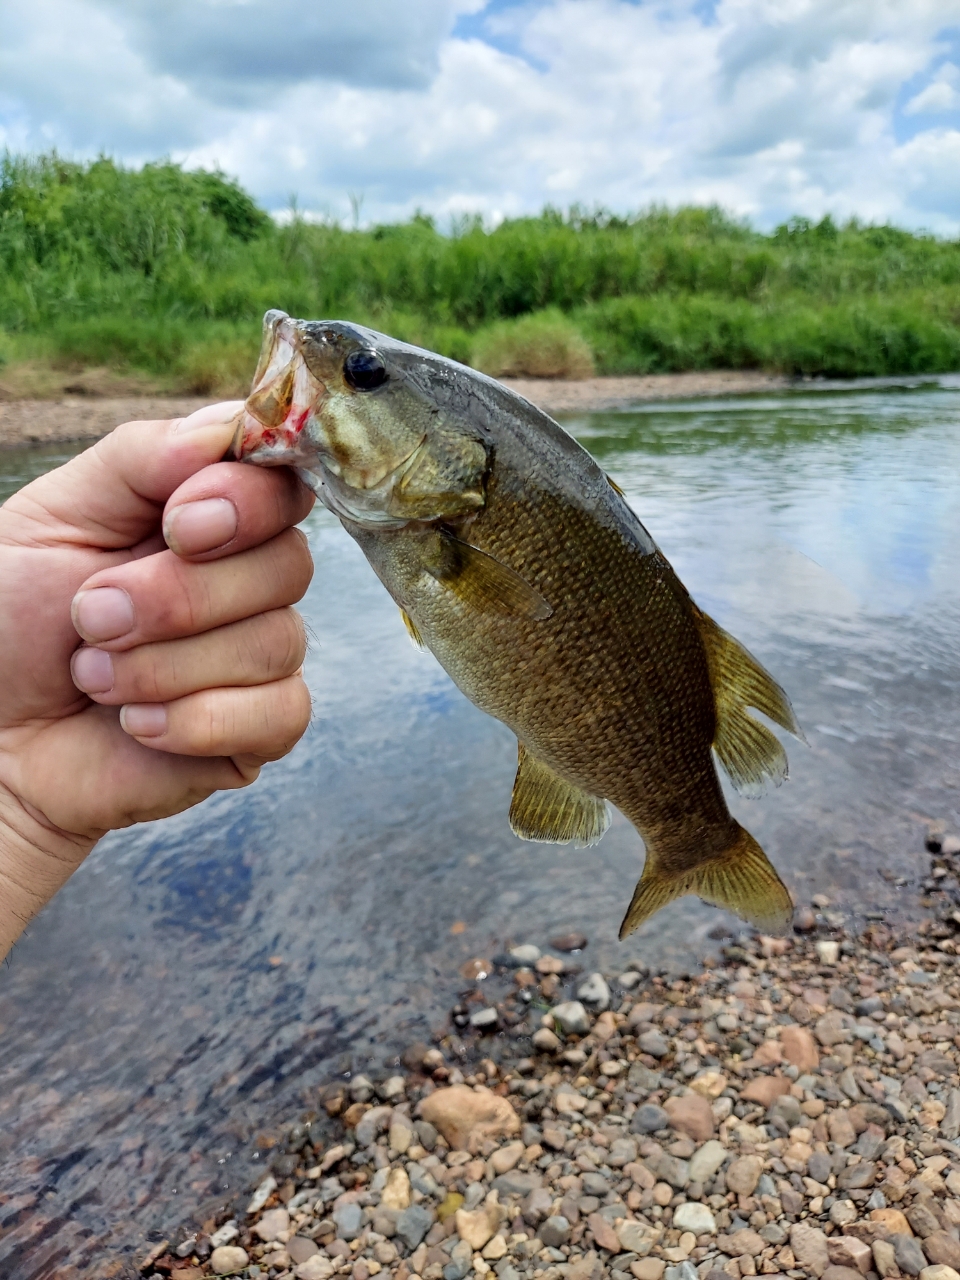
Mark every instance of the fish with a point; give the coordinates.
(518, 563)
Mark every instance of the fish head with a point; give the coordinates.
(359, 416)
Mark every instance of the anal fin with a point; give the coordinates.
(413, 631)
(748, 751)
(547, 809)
(741, 879)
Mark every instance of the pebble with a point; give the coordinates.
(691, 1114)
(707, 1160)
(571, 1017)
(694, 1217)
(525, 954)
(227, 1258)
(595, 992)
(569, 942)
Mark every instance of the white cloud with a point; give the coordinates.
(770, 107)
(940, 95)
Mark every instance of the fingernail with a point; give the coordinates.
(105, 613)
(200, 526)
(92, 670)
(211, 415)
(144, 719)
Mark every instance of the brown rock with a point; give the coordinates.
(841, 1273)
(692, 1115)
(848, 1251)
(892, 1220)
(743, 1243)
(809, 1245)
(603, 1233)
(941, 1248)
(467, 1117)
(743, 1175)
(569, 942)
(841, 1130)
(765, 1089)
(800, 1048)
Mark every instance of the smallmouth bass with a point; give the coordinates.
(517, 562)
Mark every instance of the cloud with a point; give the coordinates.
(940, 95)
(234, 50)
(769, 107)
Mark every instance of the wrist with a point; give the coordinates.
(36, 860)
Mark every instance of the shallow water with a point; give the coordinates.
(198, 978)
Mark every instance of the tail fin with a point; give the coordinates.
(741, 879)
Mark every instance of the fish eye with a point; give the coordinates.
(364, 370)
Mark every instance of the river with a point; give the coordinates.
(200, 977)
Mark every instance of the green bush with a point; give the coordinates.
(168, 272)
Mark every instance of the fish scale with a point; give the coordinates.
(521, 567)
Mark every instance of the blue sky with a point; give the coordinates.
(768, 107)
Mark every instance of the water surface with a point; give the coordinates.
(200, 977)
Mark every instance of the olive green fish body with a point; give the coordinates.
(518, 563)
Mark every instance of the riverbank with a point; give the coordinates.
(790, 1109)
(85, 417)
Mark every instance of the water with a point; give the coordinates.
(199, 978)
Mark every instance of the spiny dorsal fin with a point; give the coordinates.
(613, 484)
(413, 631)
(748, 751)
(546, 808)
(742, 879)
(485, 582)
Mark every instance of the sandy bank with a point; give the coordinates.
(88, 417)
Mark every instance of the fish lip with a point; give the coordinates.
(278, 441)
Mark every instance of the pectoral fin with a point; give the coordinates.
(547, 809)
(483, 581)
(742, 879)
(748, 751)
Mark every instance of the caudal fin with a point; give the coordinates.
(741, 879)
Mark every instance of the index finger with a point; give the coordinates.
(231, 506)
(110, 496)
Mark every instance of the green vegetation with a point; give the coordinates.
(162, 275)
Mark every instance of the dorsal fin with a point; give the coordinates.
(546, 808)
(748, 751)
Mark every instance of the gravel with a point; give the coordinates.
(735, 1122)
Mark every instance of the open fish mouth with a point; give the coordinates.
(283, 398)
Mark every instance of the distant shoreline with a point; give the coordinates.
(79, 417)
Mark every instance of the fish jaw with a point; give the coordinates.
(272, 429)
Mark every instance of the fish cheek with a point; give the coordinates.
(445, 478)
(363, 439)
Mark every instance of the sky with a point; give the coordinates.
(770, 108)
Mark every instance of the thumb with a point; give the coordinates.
(112, 495)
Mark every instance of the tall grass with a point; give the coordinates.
(167, 272)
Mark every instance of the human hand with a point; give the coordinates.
(190, 676)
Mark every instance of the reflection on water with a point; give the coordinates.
(200, 977)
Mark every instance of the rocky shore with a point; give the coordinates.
(88, 416)
(791, 1109)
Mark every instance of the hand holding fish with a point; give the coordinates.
(179, 573)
